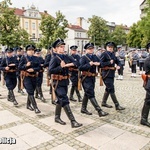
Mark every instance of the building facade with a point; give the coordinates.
(30, 20)
(76, 36)
(142, 8)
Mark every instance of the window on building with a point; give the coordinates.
(80, 34)
(33, 26)
(78, 43)
(33, 35)
(26, 25)
(77, 34)
(85, 42)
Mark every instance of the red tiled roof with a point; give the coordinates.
(19, 12)
(76, 27)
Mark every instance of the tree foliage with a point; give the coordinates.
(11, 34)
(98, 30)
(139, 34)
(53, 28)
(118, 35)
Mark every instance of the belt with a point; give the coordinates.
(26, 74)
(89, 74)
(10, 70)
(73, 69)
(109, 68)
(59, 77)
(41, 71)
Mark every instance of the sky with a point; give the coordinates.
(124, 12)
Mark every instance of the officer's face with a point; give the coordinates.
(90, 50)
(110, 48)
(9, 54)
(149, 50)
(30, 52)
(74, 51)
(60, 49)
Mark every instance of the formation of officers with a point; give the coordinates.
(61, 68)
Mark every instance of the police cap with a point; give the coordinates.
(110, 44)
(58, 42)
(73, 47)
(89, 45)
(37, 50)
(17, 48)
(28, 47)
(9, 50)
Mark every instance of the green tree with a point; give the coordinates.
(98, 30)
(10, 33)
(139, 34)
(119, 35)
(134, 37)
(53, 28)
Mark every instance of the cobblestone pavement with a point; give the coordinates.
(117, 131)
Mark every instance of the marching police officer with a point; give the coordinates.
(59, 71)
(88, 65)
(134, 57)
(120, 54)
(108, 61)
(74, 74)
(19, 54)
(142, 56)
(30, 66)
(9, 66)
(38, 91)
(146, 106)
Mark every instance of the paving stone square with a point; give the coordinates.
(7, 117)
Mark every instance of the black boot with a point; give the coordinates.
(97, 107)
(114, 99)
(145, 112)
(78, 95)
(29, 104)
(33, 102)
(13, 97)
(37, 92)
(104, 101)
(9, 98)
(41, 94)
(74, 123)
(84, 106)
(71, 94)
(57, 115)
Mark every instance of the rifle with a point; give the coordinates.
(3, 80)
(53, 95)
(47, 78)
(101, 79)
(79, 80)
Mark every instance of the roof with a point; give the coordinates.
(143, 2)
(76, 27)
(20, 12)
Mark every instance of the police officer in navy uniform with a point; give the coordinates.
(59, 70)
(38, 91)
(89, 63)
(120, 54)
(19, 54)
(146, 106)
(9, 66)
(74, 74)
(30, 66)
(108, 61)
